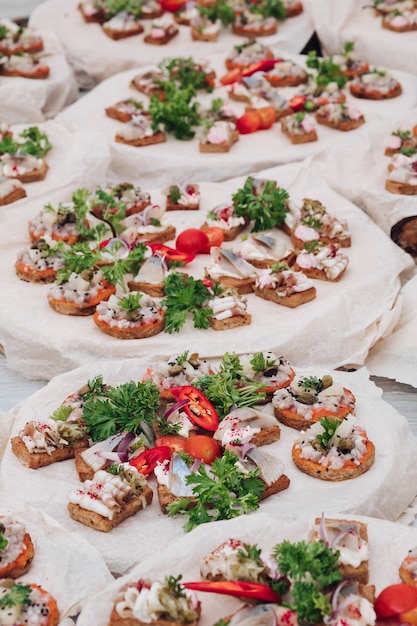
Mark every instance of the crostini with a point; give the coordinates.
(134, 316)
(80, 293)
(17, 550)
(40, 262)
(231, 270)
(27, 604)
(284, 286)
(375, 85)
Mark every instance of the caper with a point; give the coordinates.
(346, 444)
(84, 389)
(71, 217)
(39, 245)
(134, 315)
(306, 398)
(87, 274)
(61, 218)
(175, 369)
(271, 371)
(194, 360)
(327, 381)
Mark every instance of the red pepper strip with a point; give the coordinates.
(261, 66)
(199, 409)
(171, 254)
(255, 591)
(231, 77)
(147, 460)
(297, 103)
(396, 599)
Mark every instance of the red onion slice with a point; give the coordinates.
(125, 442)
(120, 457)
(176, 407)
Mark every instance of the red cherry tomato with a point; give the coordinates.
(147, 460)
(268, 117)
(172, 5)
(191, 240)
(297, 103)
(175, 442)
(396, 599)
(231, 77)
(202, 447)
(239, 589)
(215, 236)
(199, 409)
(249, 122)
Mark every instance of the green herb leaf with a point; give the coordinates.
(267, 209)
(185, 294)
(18, 594)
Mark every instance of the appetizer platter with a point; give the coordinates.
(97, 56)
(386, 542)
(49, 487)
(67, 340)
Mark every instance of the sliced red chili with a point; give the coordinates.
(171, 254)
(147, 460)
(199, 409)
(231, 77)
(256, 591)
(260, 66)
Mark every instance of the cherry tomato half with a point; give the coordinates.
(215, 236)
(171, 254)
(202, 447)
(268, 117)
(199, 409)
(396, 599)
(175, 442)
(249, 122)
(239, 589)
(297, 103)
(147, 460)
(172, 5)
(191, 240)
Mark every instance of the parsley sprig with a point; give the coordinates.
(174, 109)
(186, 73)
(220, 10)
(260, 364)
(330, 427)
(267, 209)
(131, 406)
(35, 143)
(185, 294)
(312, 569)
(327, 71)
(18, 594)
(223, 492)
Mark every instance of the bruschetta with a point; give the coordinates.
(375, 85)
(27, 604)
(134, 316)
(284, 286)
(80, 293)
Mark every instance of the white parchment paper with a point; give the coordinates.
(255, 151)
(388, 544)
(381, 492)
(337, 328)
(340, 21)
(64, 563)
(94, 56)
(34, 100)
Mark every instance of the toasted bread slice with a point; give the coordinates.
(12, 192)
(229, 234)
(170, 33)
(34, 175)
(103, 524)
(121, 111)
(41, 459)
(297, 138)
(156, 290)
(292, 300)
(247, 30)
(403, 28)
(349, 470)
(37, 72)
(242, 285)
(158, 137)
(344, 125)
(98, 16)
(158, 237)
(165, 498)
(231, 322)
(200, 35)
(205, 146)
(116, 34)
(369, 93)
(299, 421)
(140, 330)
(30, 275)
(279, 485)
(86, 308)
(22, 561)
(359, 574)
(401, 188)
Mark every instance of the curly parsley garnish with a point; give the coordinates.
(260, 363)
(185, 294)
(18, 594)
(267, 209)
(172, 107)
(330, 427)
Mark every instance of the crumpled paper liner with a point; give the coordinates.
(337, 328)
(35, 100)
(381, 492)
(341, 21)
(395, 356)
(388, 545)
(64, 563)
(252, 152)
(358, 171)
(94, 56)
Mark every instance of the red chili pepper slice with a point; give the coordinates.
(171, 254)
(260, 66)
(256, 591)
(297, 103)
(231, 77)
(396, 599)
(147, 460)
(199, 409)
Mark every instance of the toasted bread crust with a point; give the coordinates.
(84, 471)
(165, 498)
(17, 194)
(266, 436)
(33, 176)
(402, 188)
(397, 29)
(242, 285)
(406, 571)
(325, 473)
(164, 235)
(199, 35)
(247, 31)
(299, 138)
(141, 331)
(122, 34)
(87, 308)
(40, 72)
(360, 91)
(219, 147)
(344, 241)
(98, 522)
(156, 290)
(294, 420)
(116, 114)
(313, 272)
(281, 484)
(159, 137)
(161, 41)
(230, 322)
(41, 459)
(98, 17)
(295, 9)
(22, 562)
(285, 81)
(116, 620)
(344, 125)
(359, 574)
(42, 277)
(291, 301)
